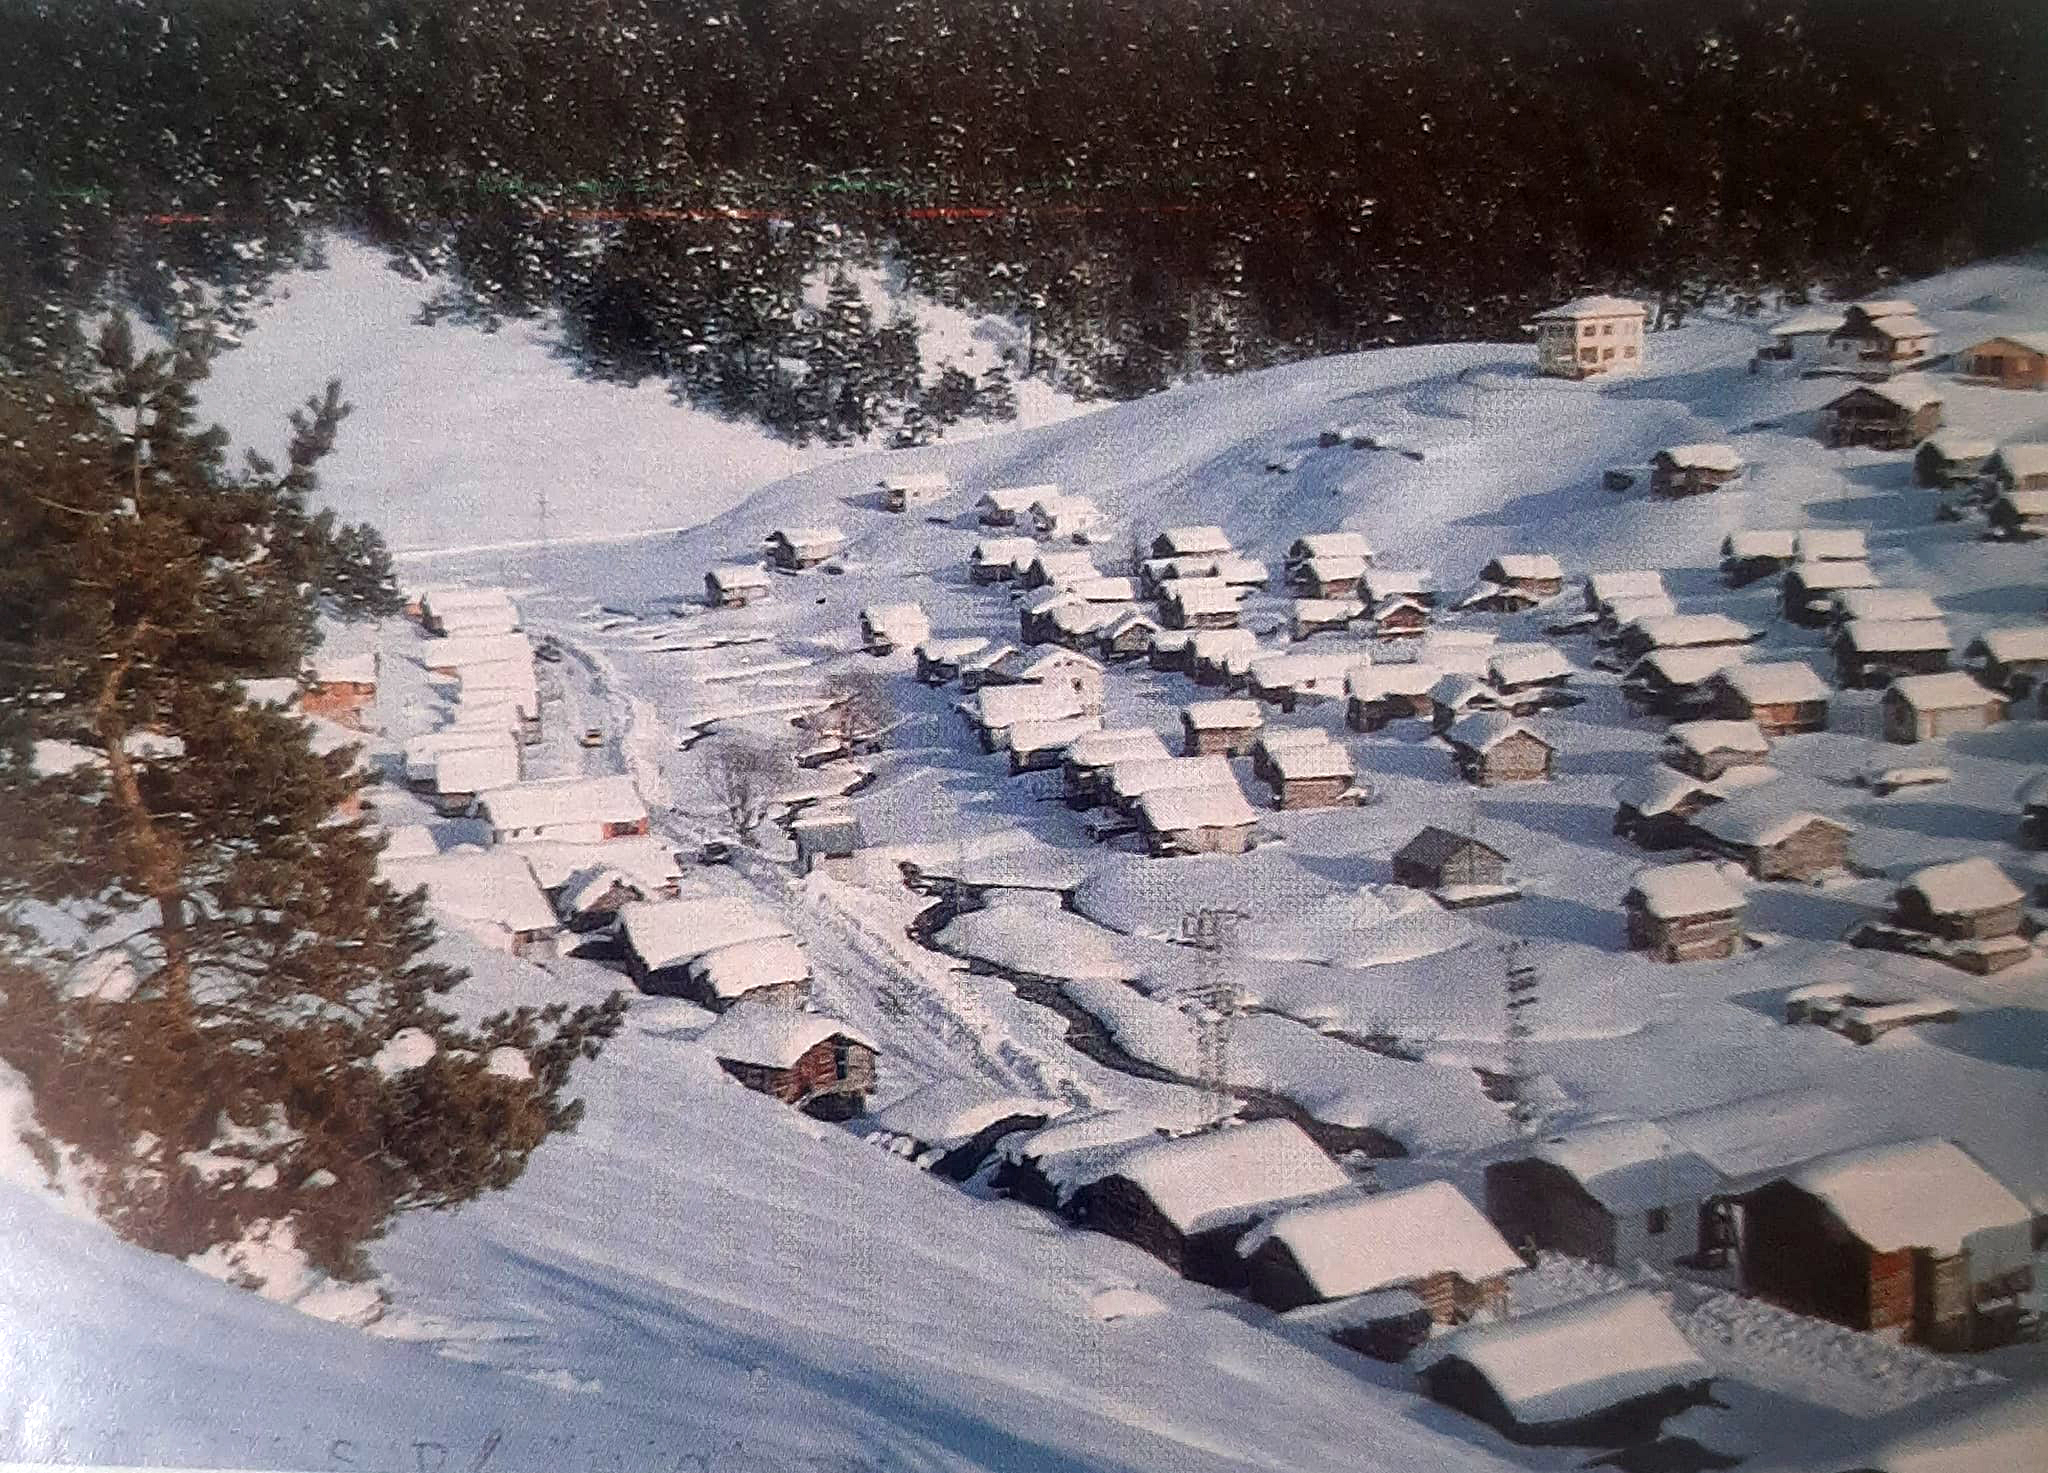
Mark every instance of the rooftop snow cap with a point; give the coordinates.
(1631, 1165)
(1963, 886)
(774, 1037)
(1948, 691)
(1392, 1238)
(1776, 683)
(1927, 1194)
(1583, 307)
(1705, 457)
(1226, 1176)
(1676, 891)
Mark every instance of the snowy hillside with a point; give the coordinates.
(702, 1279)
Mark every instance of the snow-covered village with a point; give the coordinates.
(1468, 896)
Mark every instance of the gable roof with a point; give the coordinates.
(1630, 1165)
(1594, 306)
(663, 933)
(746, 966)
(1894, 636)
(1927, 1194)
(1527, 565)
(1225, 1176)
(2015, 642)
(1482, 731)
(1948, 691)
(492, 887)
(1312, 760)
(1435, 847)
(1627, 583)
(1390, 1238)
(1120, 744)
(1718, 736)
(774, 1037)
(1330, 544)
(1221, 715)
(1963, 886)
(1675, 891)
(1191, 541)
(565, 800)
(1689, 631)
(1910, 394)
(1775, 682)
(1701, 456)
(1754, 821)
(1180, 810)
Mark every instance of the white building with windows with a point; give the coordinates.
(1591, 335)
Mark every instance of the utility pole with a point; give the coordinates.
(1210, 930)
(1519, 995)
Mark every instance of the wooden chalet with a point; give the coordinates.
(1747, 556)
(939, 660)
(1279, 738)
(1226, 728)
(1397, 616)
(1887, 416)
(1951, 459)
(1329, 544)
(1925, 708)
(732, 586)
(2020, 516)
(986, 666)
(1456, 695)
(1377, 695)
(1881, 603)
(1381, 584)
(1540, 671)
(1913, 1239)
(1619, 1193)
(1126, 637)
(571, 810)
(1802, 337)
(1873, 652)
(1780, 696)
(1286, 680)
(903, 490)
(1684, 913)
(1601, 1372)
(1882, 333)
(1329, 576)
(825, 833)
(1807, 590)
(886, 628)
(1427, 1239)
(1603, 588)
(795, 548)
(1129, 779)
(661, 940)
(1772, 840)
(2015, 360)
(1087, 761)
(1438, 859)
(592, 902)
(1484, 597)
(1491, 748)
(1535, 573)
(2013, 659)
(1311, 775)
(1047, 1167)
(491, 895)
(1048, 568)
(1196, 820)
(1654, 810)
(1963, 900)
(1682, 632)
(1678, 684)
(1314, 616)
(1221, 657)
(1000, 559)
(1010, 506)
(822, 1066)
(1202, 541)
(954, 1126)
(1689, 470)
(1188, 1201)
(1706, 749)
(1065, 517)
(1199, 603)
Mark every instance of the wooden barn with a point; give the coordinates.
(1773, 841)
(1706, 749)
(769, 971)
(1603, 588)
(659, 940)
(1926, 708)
(1654, 810)
(1491, 748)
(822, 1066)
(1202, 541)
(1535, 573)
(1963, 900)
(1377, 695)
(1437, 859)
(1951, 459)
(1530, 677)
(340, 688)
(1047, 1167)
(1126, 637)
(1381, 584)
(1780, 696)
(796, 548)
(1678, 683)
(1065, 517)
(1682, 632)
(1872, 652)
(1912, 1239)
(1881, 604)
(1684, 913)
(1000, 559)
(953, 1126)
(1329, 576)
(1399, 617)
(1188, 1201)
(1328, 544)
(1199, 603)
(735, 585)
(1882, 333)
(1041, 746)
(1049, 569)
(1484, 597)
(1311, 775)
(1590, 335)
(1313, 616)
(1010, 506)
(1196, 820)
(1620, 1192)
(886, 628)
(1618, 613)
(1220, 657)
(1427, 1239)
(939, 660)
(1079, 675)
(1747, 556)
(1088, 759)
(1456, 695)
(824, 833)
(2014, 360)
(1599, 1372)
(1688, 470)
(2020, 516)
(1226, 728)
(2013, 659)
(903, 490)
(1889, 416)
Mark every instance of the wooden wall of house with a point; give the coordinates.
(2000, 920)
(1532, 1201)
(1310, 792)
(1684, 938)
(1117, 1207)
(1814, 850)
(1515, 759)
(1794, 1253)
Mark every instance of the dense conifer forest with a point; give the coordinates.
(1156, 189)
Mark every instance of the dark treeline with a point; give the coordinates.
(1158, 188)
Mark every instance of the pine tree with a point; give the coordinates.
(226, 1078)
(997, 399)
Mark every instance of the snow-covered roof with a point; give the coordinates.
(1830, 544)
(1130, 620)
(2016, 642)
(1754, 821)
(1045, 600)
(1223, 715)
(1331, 544)
(1529, 666)
(808, 537)
(1391, 1238)
(593, 886)
(1902, 325)
(1229, 1175)
(914, 481)
(746, 966)
(1106, 748)
(1456, 690)
(1876, 307)
(738, 575)
(1326, 610)
(1963, 886)
(566, 800)
(1704, 456)
(905, 623)
(1909, 393)
(1284, 738)
(1334, 567)
(1821, 320)
(1927, 1194)
(1718, 736)
(513, 676)
(663, 933)
(1233, 568)
(1630, 1165)
(1895, 636)
(1179, 810)
(1202, 595)
(997, 707)
(1111, 590)
(1016, 551)
(1283, 672)
(949, 1112)
(2033, 339)
(1132, 776)
(1673, 891)
(1947, 691)
(1576, 1359)
(1047, 736)
(1373, 682)
(2024, 458)
(2027, 503)
(1014, 499)
(1397, 582)
(489, 770)
(1482, 731)
(646, 860)
(950, 651)
(1884, 603)
(410, 841)
(1628, 583)
(1595, 306)
(1956, 445)
(1760, 542)
(1628, 608)
(1527, 565)
(1064, 566)
(1774, 682)
(1683, 631)
(1314, 760)
(1191, 541)
(483, 886)
(1658, 790)
(773, 1037)
(1064, 506)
